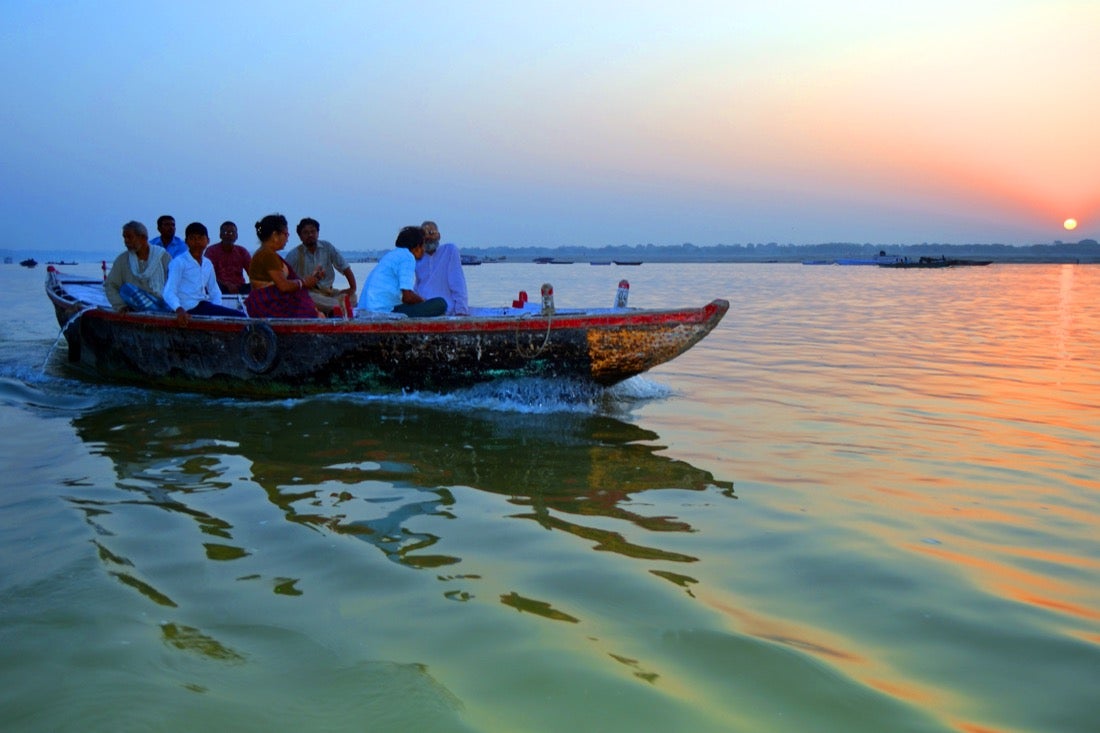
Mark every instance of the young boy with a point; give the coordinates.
(192, 288)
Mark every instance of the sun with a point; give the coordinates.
(1070, 224)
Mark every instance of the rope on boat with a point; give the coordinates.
(64, 330)
(531, 354)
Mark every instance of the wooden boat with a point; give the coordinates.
(922, 263)
(629, 263)
(288, 357)
(970, 263)
(934, 262)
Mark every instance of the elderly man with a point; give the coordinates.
(439, 272)
(314, 252)
(137, 277)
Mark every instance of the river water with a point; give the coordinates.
(869, 501)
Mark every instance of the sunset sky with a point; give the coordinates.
(581, 123)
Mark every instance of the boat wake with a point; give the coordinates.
(15, 392)
(51, 386)
(527, 396)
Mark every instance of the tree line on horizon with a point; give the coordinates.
(1085, 250)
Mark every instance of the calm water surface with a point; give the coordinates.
(867, 502)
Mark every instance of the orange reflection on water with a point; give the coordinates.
(776, 630)
(910, 693)
(973, 728)
(1011, 582)
(859, 667)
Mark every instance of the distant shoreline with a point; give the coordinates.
(1086, 251)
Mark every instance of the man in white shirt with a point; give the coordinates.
(192, 287)
(391, 284)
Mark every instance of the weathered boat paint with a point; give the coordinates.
(287, 357)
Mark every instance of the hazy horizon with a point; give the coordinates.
(581, 123)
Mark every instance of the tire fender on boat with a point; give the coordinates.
(259, 346)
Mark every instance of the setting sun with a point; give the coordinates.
(1070, 224)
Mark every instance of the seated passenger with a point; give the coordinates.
(166, 226)
(137, 277)
(277, 291)
(439, 272)
(230, 261)
(313, 253)
(391, 284)
(192, 289)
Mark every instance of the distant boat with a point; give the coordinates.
(543, 260)
(561, 262)
(880, 259)
(627, 262)
(61, 262)
(818, 262)
(935, 262)
(470, 260)
(925, 263)
(29, 262)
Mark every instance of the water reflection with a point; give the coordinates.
(370, 470)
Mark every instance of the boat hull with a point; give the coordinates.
(287, 357)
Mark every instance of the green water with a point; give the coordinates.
(867, 502)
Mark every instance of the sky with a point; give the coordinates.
(568, 123)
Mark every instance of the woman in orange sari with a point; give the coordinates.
(277, 291)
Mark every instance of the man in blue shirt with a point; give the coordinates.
(166, 225)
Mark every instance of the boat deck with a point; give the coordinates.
(91, 293)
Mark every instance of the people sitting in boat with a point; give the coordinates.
(137, 276)
(192, 288)
(166, 225)
(230, 261)
(313, 253)
(439, 272)
(277, 290)
(391, 285)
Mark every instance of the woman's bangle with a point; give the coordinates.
(301, 283)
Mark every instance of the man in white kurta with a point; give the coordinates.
(143, 266)
(439, 272)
